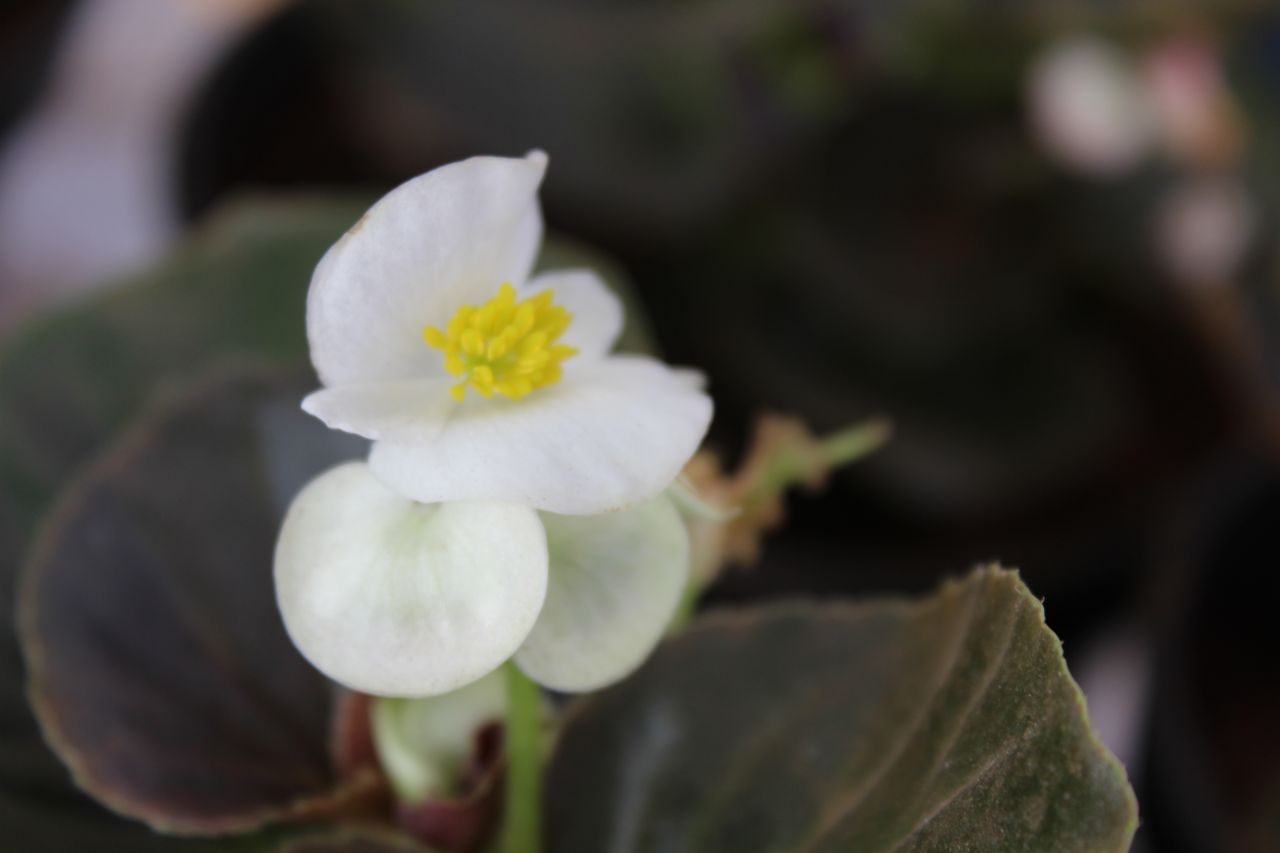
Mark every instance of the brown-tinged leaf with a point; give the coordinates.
(159, 667)
(71, 379)
(46, 824)
(948, 724)
(353, 841)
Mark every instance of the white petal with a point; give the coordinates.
(616, 581)
(423, 744)
(612, 435)
(400, 410)
(443, 239)
(597, 311)
(399, 599)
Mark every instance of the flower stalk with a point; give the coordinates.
(521, 822)
(799, 463)
(728, 514)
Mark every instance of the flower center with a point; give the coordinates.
(504, 346)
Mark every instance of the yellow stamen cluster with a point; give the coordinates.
(504, 346)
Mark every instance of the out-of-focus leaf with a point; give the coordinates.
(1215, 691)
(58, 826)
(159, 667)
(662, 116)
(944, 725)
(70, 380)
(353, 841)
(658, 114)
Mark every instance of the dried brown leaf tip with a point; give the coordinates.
(738, 508)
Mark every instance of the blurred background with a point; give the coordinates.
(1040, 235)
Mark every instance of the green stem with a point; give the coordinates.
(840, 448)
(521, 827)
(853, 443)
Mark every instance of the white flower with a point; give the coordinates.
(476, 382)
(1089, 108)
(488, 397)
(397, 598)
(1203, 231)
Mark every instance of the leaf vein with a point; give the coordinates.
(996, 760)
(855, 798)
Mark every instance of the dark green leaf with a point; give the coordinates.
(159, 667)
(947, 725)
(70, 380)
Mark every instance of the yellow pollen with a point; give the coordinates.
(504, 346)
